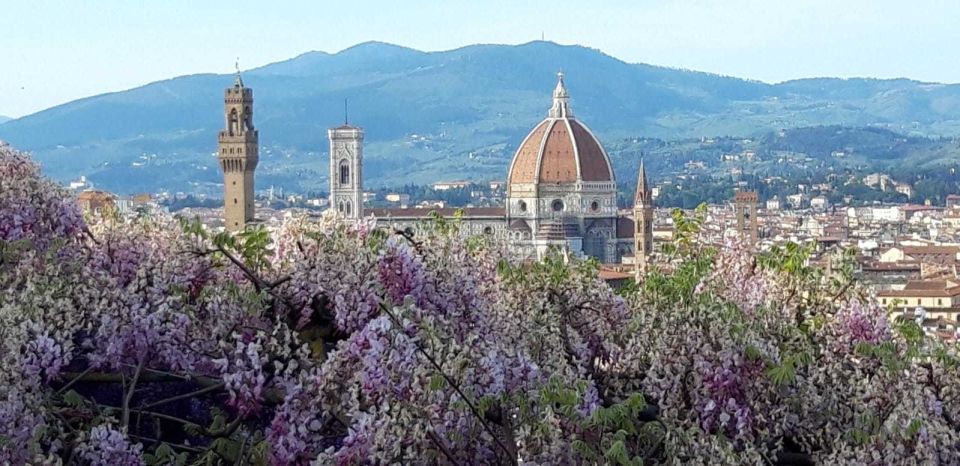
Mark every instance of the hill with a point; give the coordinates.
(451, 114)
(4, 119)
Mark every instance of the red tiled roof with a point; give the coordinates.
(468, 212)
(911, 250)
(892, 266)
(607, 274)
(593, 162)
(524, 166)
(555, 146)
(923, 288)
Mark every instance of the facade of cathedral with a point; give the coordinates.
(561, 192)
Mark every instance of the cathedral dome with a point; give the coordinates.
(560, 149)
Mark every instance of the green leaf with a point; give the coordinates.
(437, 382)
(617, 452)
(74, 399)
(914, 427)
(782, 374)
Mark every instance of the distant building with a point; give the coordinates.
(745, 203)
(447, 185)
(797, 201)
(80, 184)
(905, 189)
(399, 198)
(819, 203)
(878, 180)
(346, 170)
(936, 255)
(643, 224)
(938, 299)
(238, 155)
(953, 200)
(561, 193)
(96, 202)
(773, 203)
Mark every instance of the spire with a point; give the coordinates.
(561, 100)
(346, 119)
(238, 82)
(643, 191)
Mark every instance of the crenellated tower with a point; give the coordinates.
(346, 170)
(643, 223)
(238, 155)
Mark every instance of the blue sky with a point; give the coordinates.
(56, 51)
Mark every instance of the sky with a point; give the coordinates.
(52, 52)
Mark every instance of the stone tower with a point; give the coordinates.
(745, 204)
(643, 223)
(346, 170)
(238, 154)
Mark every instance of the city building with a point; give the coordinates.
(643, 223)
(745, 204)
(560, 193)
(238, 155)
(773, 203)
(95, 201)
(346, 170)
(819, 203)
(953, 200)
(446, 185)
(939, 298)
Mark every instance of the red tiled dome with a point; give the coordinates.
(560, 150)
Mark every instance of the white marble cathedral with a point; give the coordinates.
(561, 192)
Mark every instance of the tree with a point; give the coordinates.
(157, 341)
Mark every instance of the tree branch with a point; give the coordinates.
(125, 417)
(473, 408)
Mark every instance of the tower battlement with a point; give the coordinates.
(225, 136)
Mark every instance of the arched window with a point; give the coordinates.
(234, 128)
(247, 118)
(344, 172)
(347, 206)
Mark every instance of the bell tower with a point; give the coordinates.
(238, 155)
(346, 170)
(745, 204)
(643, 223)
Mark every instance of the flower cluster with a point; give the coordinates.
(350, 344)
(107, 446)
(33, 208)
(242, 373)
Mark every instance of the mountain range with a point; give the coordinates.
(4, 119)
(440, 115)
